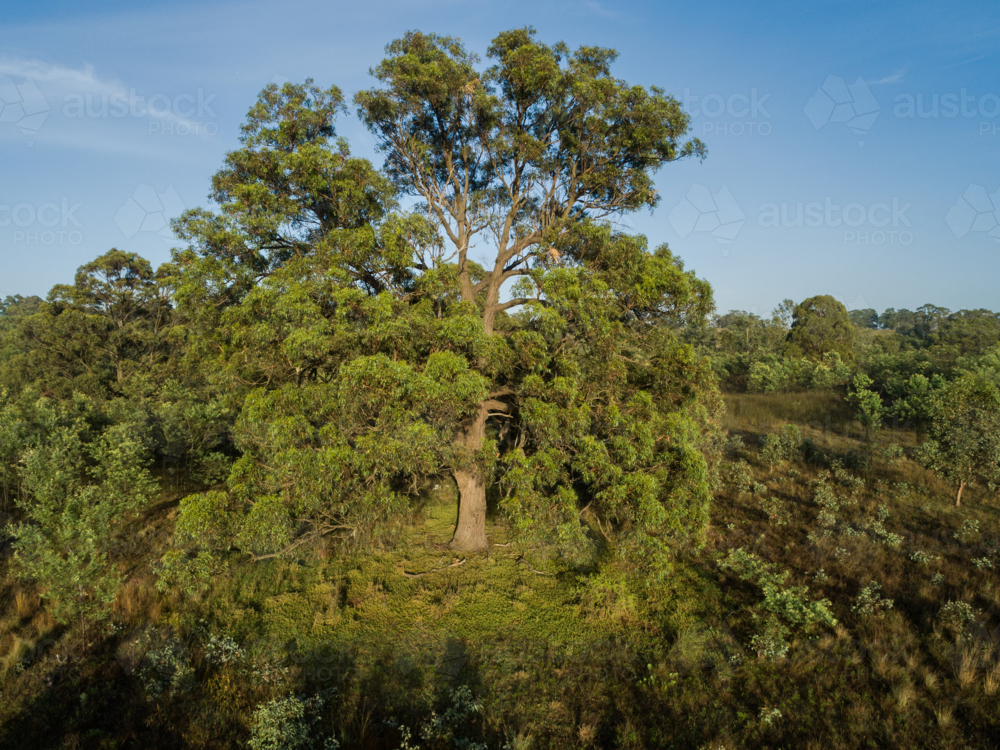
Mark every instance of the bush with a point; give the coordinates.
(740, 476)
(443, 731)
(870, 604)
(287, 724)
(958, 617)
(167, 671)
(782, 604)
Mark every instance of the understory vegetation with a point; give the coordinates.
(841, 600)
(325, 481)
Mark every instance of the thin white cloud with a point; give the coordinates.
(894, 78)
(60, 79)
(967, 62)
(63, 86)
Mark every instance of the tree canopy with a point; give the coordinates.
(965, 432)
(374, 354)
(820, 325)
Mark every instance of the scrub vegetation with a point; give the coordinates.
(435, 455)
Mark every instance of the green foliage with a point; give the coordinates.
(776, 510)
(94, 336)
(820, 325)
(443, 731)
(783, 609)
(79, 492)
(965, 433)
(740, 476)
(783, 606)
(773, 375)
(876, 528)
(968, 532)
(869, 405)
(776, 449)
(166, 671)
(288, 724)
(867, 318)
(959, 617)
(914, 399)
(369, 361)
(870, 604)
(744, 350)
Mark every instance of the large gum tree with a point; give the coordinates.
(370, 352)
(509, 160)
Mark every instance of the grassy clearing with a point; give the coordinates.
(569, 659)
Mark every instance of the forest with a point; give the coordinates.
(434, 454)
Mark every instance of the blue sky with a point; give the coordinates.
(830, 171)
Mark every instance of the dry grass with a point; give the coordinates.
(868, 682)
(992, 681)
(12, 653)
(137, 601)
(944, 714)
(904, 694)
(910, 660)
(25, 604)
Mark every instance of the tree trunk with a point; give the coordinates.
(958, 498)
(470, 531)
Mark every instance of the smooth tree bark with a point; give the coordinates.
(470, 528)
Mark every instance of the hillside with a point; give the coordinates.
(411, 645)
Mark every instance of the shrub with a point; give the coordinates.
(958, 616)
(287, 724)
(775, 510)
(892, 453)
(772, 452)
(876, 528)
(778, 448)
(968, 532)
(769, 715)
(740, 476)
(167, 671)
(782, 604)
(444, 730)
(223, 650)
(870, 604)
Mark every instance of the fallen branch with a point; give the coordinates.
(433, 570)
(521, 559)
